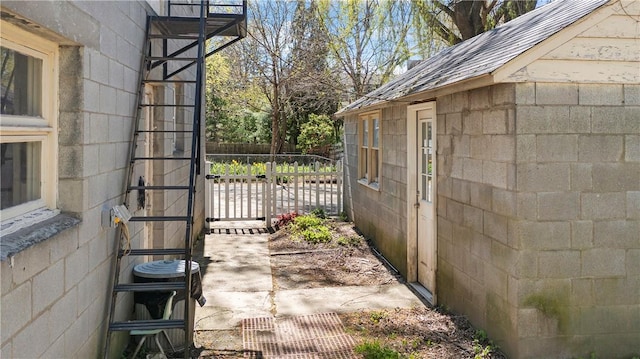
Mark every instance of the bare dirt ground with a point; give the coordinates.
(348, 260)
(297, 264)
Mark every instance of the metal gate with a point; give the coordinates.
(264, 191)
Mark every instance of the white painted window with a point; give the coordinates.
(369, 159)
(28, 133)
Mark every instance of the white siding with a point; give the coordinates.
(607, 52)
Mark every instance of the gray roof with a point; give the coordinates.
(481, 54)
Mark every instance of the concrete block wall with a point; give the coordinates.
(368, 207)
(477, 204)
(54, 294)
(578, 179)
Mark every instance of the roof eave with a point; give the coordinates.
(430, 94)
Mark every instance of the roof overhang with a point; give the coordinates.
(428, 95)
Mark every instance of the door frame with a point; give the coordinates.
(412, 193)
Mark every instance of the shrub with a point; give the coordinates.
(316, 132)
(310, 229)
(307, 221)
(320, 213)
(286, 218)
(315, 235)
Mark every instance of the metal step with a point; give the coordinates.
(147, 325)
(153, 252)
(158, 187)
(191, 25)
(150, 287)
(151, 81)
(161, 158)
(174, 36)
(170, 58)
(159, 219)
(163, 105)
(164, 131)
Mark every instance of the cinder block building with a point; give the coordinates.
(502, 178)
(71, 75)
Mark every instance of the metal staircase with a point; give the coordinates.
(182, 43)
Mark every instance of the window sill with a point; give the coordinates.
(372, 185)
(24, 238)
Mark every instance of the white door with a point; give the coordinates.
(426, 181)
(421, 199)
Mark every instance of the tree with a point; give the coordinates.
(267, 52)
(316, 133)
(234, 107)
(367, 39)
(311, 87)
(457, 20)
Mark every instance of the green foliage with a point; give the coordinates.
(311, 229)
(482, 346)
(315, 133)
(260, 168)
(456, 21)
(235, 111)
(375, 350)
(307, 221)
(320, 213)
(315, 235)
(377, 316)
(343, 216)
(348, 241)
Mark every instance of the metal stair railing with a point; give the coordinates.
(194, 159)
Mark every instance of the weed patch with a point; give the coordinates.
(375, 350)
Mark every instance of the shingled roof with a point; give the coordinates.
(481, 54)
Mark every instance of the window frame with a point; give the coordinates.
(367, 152)
(44, 128)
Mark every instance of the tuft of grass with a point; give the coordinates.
(348, 241)
(482, 346)
(377, 316)
(375, 350)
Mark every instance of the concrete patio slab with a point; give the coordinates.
(225, 310)
(343, 299)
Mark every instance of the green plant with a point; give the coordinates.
(343, 216)
(320, 213)
(316, 132)
(286, 218)
(482, 346)
(348, 241)
(377, 316)
(375, 350)
(306, 221)
(315, 235)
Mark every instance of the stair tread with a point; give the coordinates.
(164, 105)
(158, 218)
(164, 131)
(158, 187)
(174, 36)
(161, 158)
(150, 287)
(147, 324)
(153, 251)
(172, 58)
(170, 81)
